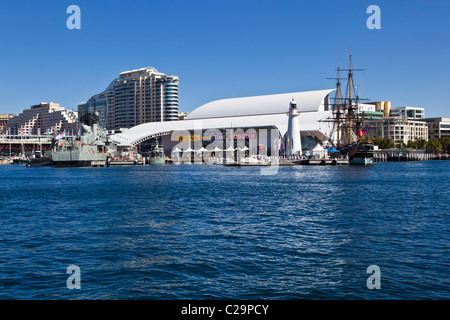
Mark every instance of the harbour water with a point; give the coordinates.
(215, 232)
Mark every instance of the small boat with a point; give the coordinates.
(21, 160)
(40, 161)
(6, 161)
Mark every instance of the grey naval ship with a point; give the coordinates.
(91, 148)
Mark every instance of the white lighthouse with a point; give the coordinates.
(293, 143)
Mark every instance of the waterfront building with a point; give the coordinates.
(384, 107)
(136, 97)
(42, 117)
(438, 127)
(369, 111)
(253, 118)
(4, 118)
(398, 129)
(412, 113)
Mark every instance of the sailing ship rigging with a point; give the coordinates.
(348, 134)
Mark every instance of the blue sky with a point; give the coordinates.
(221, 49)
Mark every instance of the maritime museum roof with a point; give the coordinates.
(248, 112)
(307, 101)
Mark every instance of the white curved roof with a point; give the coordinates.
(249, 112)
(307, 101)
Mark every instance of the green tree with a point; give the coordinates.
(417, 144)
(445, 142)
(434, 145)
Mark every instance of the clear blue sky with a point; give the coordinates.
(225, 48)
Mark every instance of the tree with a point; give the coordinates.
(445, 142)
(434, 145)
(417, 144)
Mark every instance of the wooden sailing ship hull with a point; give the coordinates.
(359, 152)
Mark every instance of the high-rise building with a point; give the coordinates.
(136, 97)
(42, 117)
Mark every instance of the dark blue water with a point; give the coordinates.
(214, 232)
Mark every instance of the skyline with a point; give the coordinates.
(225, 50)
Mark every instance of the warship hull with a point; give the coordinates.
(154, 161)
(82, 158)
(86, 163)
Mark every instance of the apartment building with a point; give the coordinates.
(46, 116)
(398, 129)
(137, 96)
(438, 127)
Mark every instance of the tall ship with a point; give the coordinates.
(91, 147)
(348, 133)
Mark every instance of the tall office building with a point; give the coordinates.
(136, 97)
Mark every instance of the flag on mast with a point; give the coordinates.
(61, 135)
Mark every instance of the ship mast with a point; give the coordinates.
(345, 115)
(352, 119)
(337, 108)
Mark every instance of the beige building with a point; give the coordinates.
(398, 129)
(382, 106)
(44, 116)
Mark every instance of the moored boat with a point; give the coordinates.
(157, 155)
(40, 161)
(20, 160)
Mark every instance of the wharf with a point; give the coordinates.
(408, 155)
(126, 162)
(324, 162)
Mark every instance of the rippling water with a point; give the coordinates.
(214, 232)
